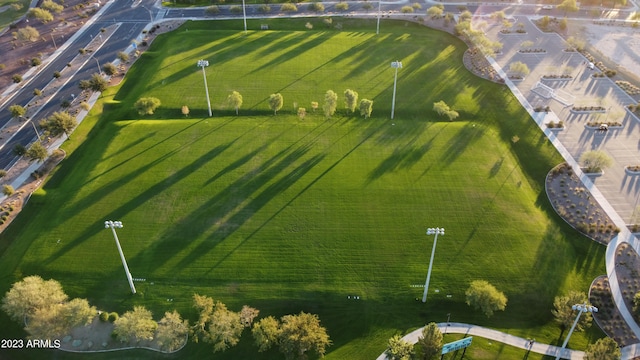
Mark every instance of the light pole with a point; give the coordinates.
(113, 225)
(581, 308)
(97, 62)
(378, 25)
(436, 232)
(203, 64)
(396, 65)
(244, 17)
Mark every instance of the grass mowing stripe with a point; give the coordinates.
(286, 214)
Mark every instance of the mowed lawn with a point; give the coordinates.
(290, 215)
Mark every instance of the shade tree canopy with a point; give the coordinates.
(172, 331)
(59, 122)
(350, 100)
(595, 161)
(216, 324)
(275, 102)
(603, 349)
(366, 107)
(398, 349)
(430, 342)
(30, 294)
(136, 325)
(565, 315)
(330, 103)
(485, 297)
(147, 105)
(443, 109)
(235, 100)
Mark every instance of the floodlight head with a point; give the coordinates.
(438, 231)
(576, 307)
(203, 63)
(106, 224)
(396, 65)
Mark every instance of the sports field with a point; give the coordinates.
(285, 214)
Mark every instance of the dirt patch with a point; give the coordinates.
(574, 203)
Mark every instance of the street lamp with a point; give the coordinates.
(113, 225)
(203, 64)
(436, 232)
(396, 65)
(244, 17)
(581, 309)
(97, 62)
(378, 24)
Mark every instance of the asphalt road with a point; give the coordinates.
(134, 16)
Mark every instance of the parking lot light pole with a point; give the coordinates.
(378, 24)
(113, 225)
(203, 64)
(396, 65)
(582, 308)
(436, 232)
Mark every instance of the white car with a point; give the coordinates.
(547, 7)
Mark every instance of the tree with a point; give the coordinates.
(123, 56)
(435, 12)
(443, 109)
(28, 33)
(19, 150)
(519, 68)
(330, 103)
(44, 16)
(52, 6)
(301, 333)
(430, 342)
(406, 9)
(29, 294)
(342, 6)
(59, 122)
(398, 349)
(302, 113)
(172, 331)
(564, 314)
(216, 324)
(17, 110)
(350, 100)
(366, 107)
(8, 190)
(185, 110)
(98, 83)
(316, 6)
(314, 105)
(266, 333)
(56, 320)
(37, 152)
(595, 161)
(603, 349)
(288, 7)
(147, 105)
(466, 15)
(485, 297)
(575, 43)
(235, 100)
(110, 69)
(568, 6)
(498, 15)
(275, 102)
(135, 325)
(247, 314)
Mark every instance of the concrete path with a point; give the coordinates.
(474, 330)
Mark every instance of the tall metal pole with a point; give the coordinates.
(203, 64)
(36, 130)
(378, 25)
(431, 231)
(244, 16)
(113, 225)
(99, 68)
(54, 42)
(397, 65)
(581, 308)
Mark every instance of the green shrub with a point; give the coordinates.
(16, 78)
(236, 9)
(212, 10)
(264, 8)
(288, 7)
(3, 173)
(8, 190)
(104, 316)
(316, 6)
(113, 316)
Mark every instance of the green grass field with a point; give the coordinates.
(286, 214)
(8, 14)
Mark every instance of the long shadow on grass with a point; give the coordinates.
(227, 210)
(142, 198)
(467, 135)
(295, 197)
(299, 43)
(115, 185)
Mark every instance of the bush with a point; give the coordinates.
(16, 78)
(123, 56)
(110, 69)
(104, 316)
(406, 9)
(342, 6)
(3, 173)
(36, 61)
(316, 6)
(264, 8)
(37, 92)
(288, 7)
(236, 9)
(212, 10)
(19, 150)
(56, 74)
(113, 316)
(8, 191)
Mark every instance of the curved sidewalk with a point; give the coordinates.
(468, 329)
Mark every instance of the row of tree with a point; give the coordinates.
(48, 313)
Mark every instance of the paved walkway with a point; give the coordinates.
(474, 330)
